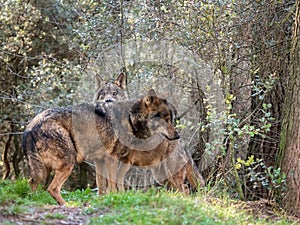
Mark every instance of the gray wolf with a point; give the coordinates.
(188, 172)
(57, 138)
(110, 91)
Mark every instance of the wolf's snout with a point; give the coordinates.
(177, 136)
(172, 136)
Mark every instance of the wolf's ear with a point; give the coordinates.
(98, 81)
(151, 102)
(151, 92)
(165, 95)
(149, 98)
(121, 81)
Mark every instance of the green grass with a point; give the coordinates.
(132, 207)
(169, 208)
(55, 216)
(19, 193)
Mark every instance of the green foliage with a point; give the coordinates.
(269, 178)
(10, 192)
(18, 23)
(55, 216)
(235, 130)
(54, 83)
(241, 162)
(240, 128)
(258, 175)
(78, 197)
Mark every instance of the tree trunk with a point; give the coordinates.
(289, 152)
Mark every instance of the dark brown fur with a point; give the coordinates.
(58, 138)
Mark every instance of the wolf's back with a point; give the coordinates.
(34, 133)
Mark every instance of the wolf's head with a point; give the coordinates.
(112, 91)
(152, 115)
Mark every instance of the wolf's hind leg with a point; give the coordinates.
(101, 184)
(193, 175)
(176, 181)
(59, 179)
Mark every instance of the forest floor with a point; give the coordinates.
(56, 215)
(19, 206)
(74, 215)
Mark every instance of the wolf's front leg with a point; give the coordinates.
(101, 175)
(111, 167)
(123, 168)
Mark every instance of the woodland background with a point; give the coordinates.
(230, 67)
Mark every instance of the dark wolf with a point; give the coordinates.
(58, 138)
(170, 163)
(177, 163)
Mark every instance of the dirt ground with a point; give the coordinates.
(56, 215)
(59, 215)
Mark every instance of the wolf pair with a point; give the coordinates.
(108, 132)
(172, 171)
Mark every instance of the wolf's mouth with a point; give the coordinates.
(109, 100)
(170, 139)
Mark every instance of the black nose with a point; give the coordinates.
(177, 136)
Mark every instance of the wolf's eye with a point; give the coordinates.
(115, 93)
(157, 115)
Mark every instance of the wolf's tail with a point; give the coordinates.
(28, 143)
(38, 170)
(193, 175)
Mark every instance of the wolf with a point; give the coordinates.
(108, 92)
(170, 163)
(174, 172)
(174, 175)
(57, 138)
